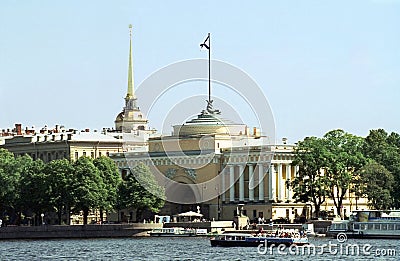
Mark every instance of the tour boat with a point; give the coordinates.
(249, 240)
(172, 232)
(383, 224)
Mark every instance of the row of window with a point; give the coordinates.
(54, 155)
(84, 154)
(380, 226)
(49, 156)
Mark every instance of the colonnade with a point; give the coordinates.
(264, 183)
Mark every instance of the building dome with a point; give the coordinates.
(209, 122)
(120, 117)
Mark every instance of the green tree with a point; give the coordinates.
(377, 184)
(89, 187)
(112, 179)
(33, 188)
(343, 159)
(385, 149)
(61, 180)
(140, 191)
(310, 184)
(9, 180)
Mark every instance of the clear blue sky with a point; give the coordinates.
(322, 64)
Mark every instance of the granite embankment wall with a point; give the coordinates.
(76, 231)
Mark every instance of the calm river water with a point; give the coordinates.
(190, 249)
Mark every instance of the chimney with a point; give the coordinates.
(284, 140)
(18, 128)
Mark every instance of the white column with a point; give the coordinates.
(280, 178)
(289, 178)
(261, 182)
(241, 183)
(251, 182)
(285, 190)
(231, 183)
(271, 183)
(223, 185)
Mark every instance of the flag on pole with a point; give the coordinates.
(206, 43)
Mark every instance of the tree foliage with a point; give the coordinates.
(309, 185)
(61, 180)
(112, 179)
(385, 150)
(140, 190)
(89, 187)
(33, 187)
(9, 180)
(344, 159)
(34, 193)
(327, 167)
(377, 185)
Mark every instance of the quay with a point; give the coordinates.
(76, 231)
(132, 229)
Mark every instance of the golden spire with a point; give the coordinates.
(131, 86)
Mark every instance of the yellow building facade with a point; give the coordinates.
(218, 167)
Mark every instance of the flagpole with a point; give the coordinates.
(209, 68)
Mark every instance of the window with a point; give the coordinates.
(100, 154)
(84, 153)
(92, 154)
(76, 155)
(124, 173)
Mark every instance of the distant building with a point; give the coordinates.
(59, 143)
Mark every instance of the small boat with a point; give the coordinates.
(379, 224)
(172, 232)
(249, 240)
